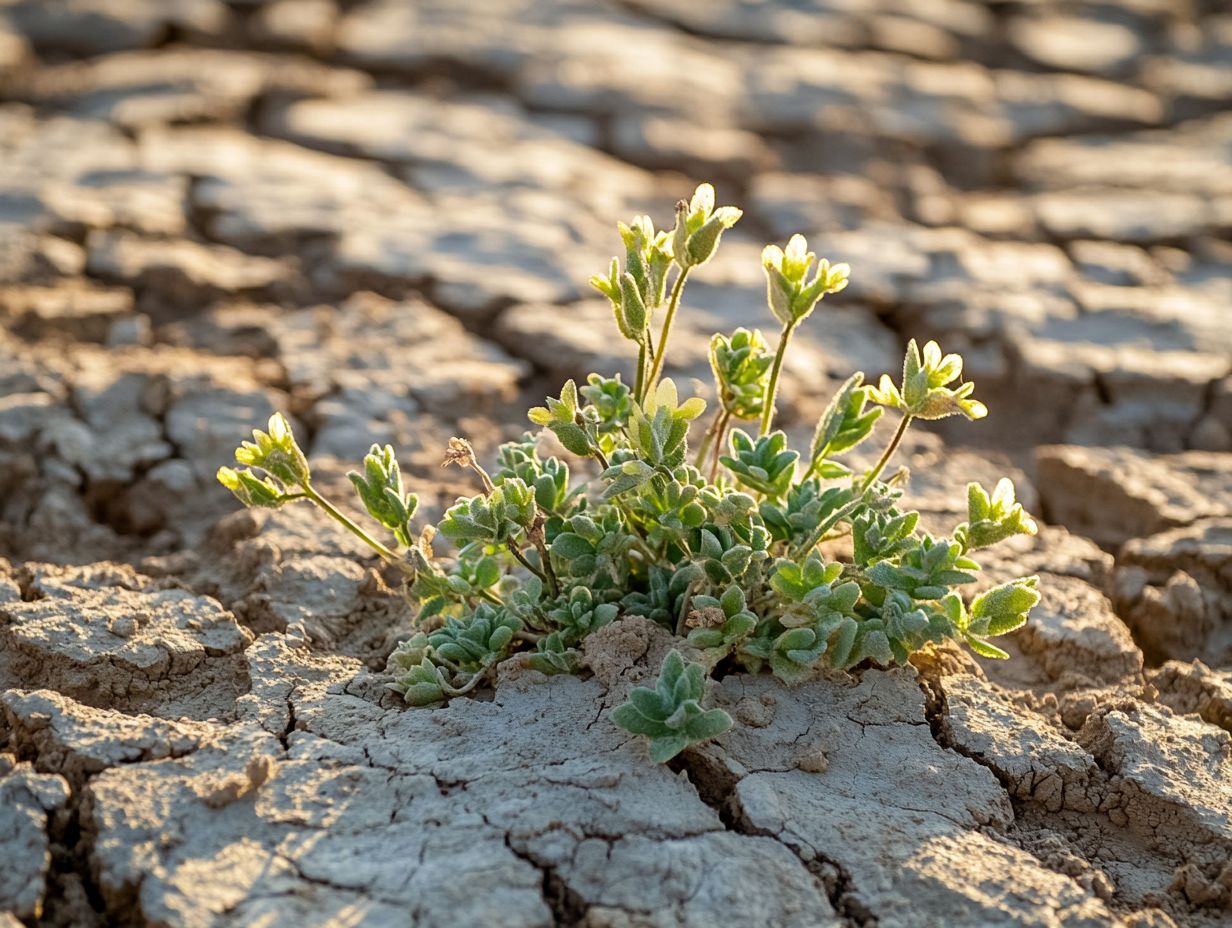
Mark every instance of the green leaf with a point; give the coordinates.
(251, 490)
(671, 714)
(708, 725)
(1004, 608)
(993, 518)
(699, 226)
(380, 490)
(276, 452)
(570, 546)
(985, 649)
(633, 307)
(925, 392)
(561, 415)
(664, 748)
(844, 423)
(791, 295)
(764, 465)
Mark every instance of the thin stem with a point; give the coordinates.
(521, 559)
(474, 681)
(638, 532)
(363, 536)
(550, 574)
(673, 304)
(812, 469)
(684, 608)
(887, 454)
(772, 388)
(620, 504)
(640, 380)
(825, 526)
(488, 486)
(718, 445)
(707, 438)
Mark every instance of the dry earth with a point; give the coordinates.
(379, 216)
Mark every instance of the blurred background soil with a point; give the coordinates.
(380, 217)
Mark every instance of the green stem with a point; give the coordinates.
(718, 445)
(363, 536)
(824, 527)
(628, 513)
(684, 609)
(772, 388)
(889, 453)
(542, 548)
(521, 559)
(673, 304)
(707, 438)
(640, 380)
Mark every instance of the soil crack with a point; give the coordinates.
(716, 787)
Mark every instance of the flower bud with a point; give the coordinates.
(276, 452)
(789, 296)
(250, 489)
(699, 226)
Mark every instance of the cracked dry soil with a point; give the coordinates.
(376, 215)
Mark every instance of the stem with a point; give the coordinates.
(474, 681)
(640, 381)
(772, 388)
(889, 453)
(620, 504)
(684, 608)
(673, 304)
(363, 536)
(638, 532)
(718, 445)
(553, 586)
(707, 438)
(521, 558)
(812, 468)
(488, 486)
(824, 527)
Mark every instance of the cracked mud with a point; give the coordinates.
(374, 215)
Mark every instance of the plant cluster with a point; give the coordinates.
(759, 555)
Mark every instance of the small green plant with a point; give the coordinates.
(671, 714)
(759, 555)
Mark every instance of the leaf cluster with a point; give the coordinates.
(758, 555)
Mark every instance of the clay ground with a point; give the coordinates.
(380, 216)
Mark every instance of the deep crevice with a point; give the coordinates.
(568, 908)
(716, 787)
(71, 875)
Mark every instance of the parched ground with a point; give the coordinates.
(379, 216)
